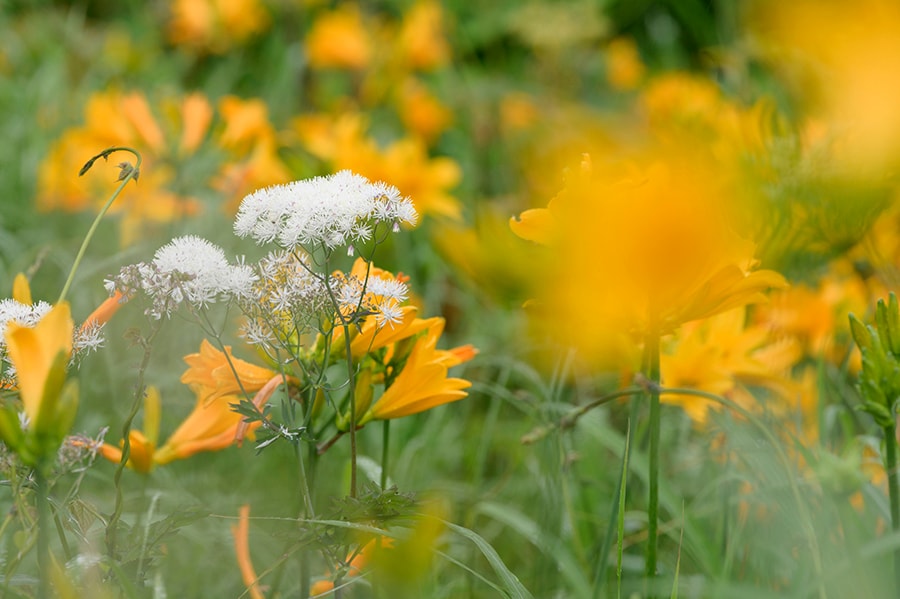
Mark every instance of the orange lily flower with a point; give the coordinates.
(423, 382)
(211, 426)
(40, 355)
(211, 376)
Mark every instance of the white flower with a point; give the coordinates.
(187, 269)
(389, 313)
(332, 211)
(27, 315)
(389, 289)
(205, 270)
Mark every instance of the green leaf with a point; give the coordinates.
(510, 581)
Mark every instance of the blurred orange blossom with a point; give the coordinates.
(638, 254)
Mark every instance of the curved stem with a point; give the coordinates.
(128, 174)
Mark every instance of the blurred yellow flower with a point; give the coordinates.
(215, 26)
(639, 254)
(404, 164)
(339, 39)
(518, 111)
(489, 255)
(421, 112)
(250, 160)
(844, 60)
(117, 119)
(252, 143)
(421, 40)
(624, 69)
(722, 355)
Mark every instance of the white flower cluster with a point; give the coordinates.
(341, 209)
(85, 339)
(188, 269)
(381, 296)
(284, 298)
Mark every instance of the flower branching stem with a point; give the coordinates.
(128, 173)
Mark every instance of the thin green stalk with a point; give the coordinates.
(651, 350)
(620, 520)
(385, 445)
(351, 381)
(890, 464)
(140, 389)
(43, 533)
(127, 174)
(351, 376)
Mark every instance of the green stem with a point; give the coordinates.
(139, 392)
(128, 176)
(351, 381)
(43, 532)
(385, 444)
(651, 350)
(890, 464)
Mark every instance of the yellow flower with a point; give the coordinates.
(423, 384)
(637, 254)
(211, 426)
(843, 60)
(721, 355)
(339, 39)
(251, 141)
(404, 163)
(421, 40)
(21, 289)
(624, 69)
(117, 119)
(40, 356)
(421, 112)
(250, 160)
(211, 376)
(215, 25)
(489, 254)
